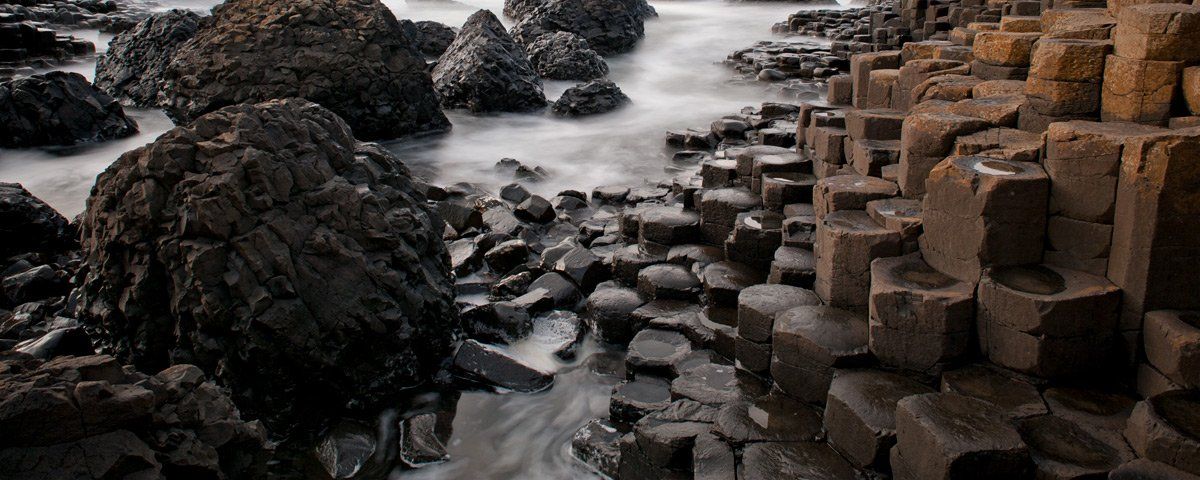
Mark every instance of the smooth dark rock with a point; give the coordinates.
(770, 418)
(609, 312)
(496, 367)
(420, 442)
(632, 400)
(535, 209)
(656, 352)
(808, 460)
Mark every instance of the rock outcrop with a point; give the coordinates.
(350, 56)
(597, 96)
(58, 108)
(431, 38)
(484, 70)
(610, 26)
(27, 224)
(265, 245)
(87, 417)
(566, 56)
(132, 69)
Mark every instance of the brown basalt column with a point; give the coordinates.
(982, 212)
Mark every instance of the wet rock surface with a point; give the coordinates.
(268, 328)
(484, 70)
(58, 108)
(225, 63)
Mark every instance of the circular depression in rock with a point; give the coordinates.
(925, 276)
(1181, 409)
(1034, 279)
(996, 167)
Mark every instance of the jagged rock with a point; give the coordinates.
(272, 264)
(609, 26)
(432, 38)
(27, 224)
(132, 70)
(86, 417)
(350, 56)
(484, 70)
(565, 56)
(597, 96)
(58, 108)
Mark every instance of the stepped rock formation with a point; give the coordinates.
(87, 417)
(267, 246)
(350, 56)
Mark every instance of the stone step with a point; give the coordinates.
(809, 342)
(1047, 321)
(951, 436)
(920, 319)
(860, 414)
(847, 242)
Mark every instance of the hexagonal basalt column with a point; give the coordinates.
(1047, 321)
(755, 237)
(920, 319)
(847, 242)
(982, 212)
(945, 436)
(809, 342)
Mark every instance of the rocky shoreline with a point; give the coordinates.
(967, 250)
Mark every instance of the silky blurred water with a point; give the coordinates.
(675, 80)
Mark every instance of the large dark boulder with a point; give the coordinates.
(27, 224)
(58, 108)
(264, 244)
(594, 97)
(86, 417)
(132, 69)
(431, 38)
(609, 26)
(484, 70)
(350, 56)
(566, 56)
